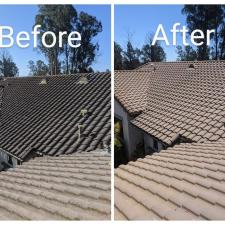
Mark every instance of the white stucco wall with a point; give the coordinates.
(132, 135)
(121, 114)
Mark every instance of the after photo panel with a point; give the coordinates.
(169, 112)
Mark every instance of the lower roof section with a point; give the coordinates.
(186, 182)
(72, 187)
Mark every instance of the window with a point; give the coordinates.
(155, 145)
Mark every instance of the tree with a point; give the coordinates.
(38, 69)
(131, 57)
(186, 54)
(217, 14)
(222, 43)
(218, 50)
(204, 17)
(82, 58)
(152, 53)
(55, 18)
(7, 67)
(69, 24)
(118, 57)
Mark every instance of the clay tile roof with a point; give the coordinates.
(45, 114)
(186, 182)
(72, 187)
(180, 99)
(131, 90)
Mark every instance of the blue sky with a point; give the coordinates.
(141, 20)
(21, 18)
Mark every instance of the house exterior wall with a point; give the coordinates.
(132, 135)
(4, 157)
(121, 114)
(149, 144)
(136, 141)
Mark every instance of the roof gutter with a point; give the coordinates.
(11, 155)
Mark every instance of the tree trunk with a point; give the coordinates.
(67, 60)
(216, 40)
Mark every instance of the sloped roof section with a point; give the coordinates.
(183, 98)
(186, 182)
(131, 90)
(55, 115)
(73, 187)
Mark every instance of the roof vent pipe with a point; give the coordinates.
(83, 80)
(191, 66)
(44, 81)
(153, 67)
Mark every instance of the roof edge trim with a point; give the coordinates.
(1, 149)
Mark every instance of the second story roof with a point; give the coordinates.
(185, 99)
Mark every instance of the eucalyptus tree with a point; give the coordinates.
(206, 17)
(8, 67)
(152, 53)
(38, 68)
(118, 57)
(55, 18)
(82, 58)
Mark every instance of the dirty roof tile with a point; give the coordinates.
(72, 187)
(46, 118)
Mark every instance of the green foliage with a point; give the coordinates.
(117, 143)
(82, 58)
(131, 58)
(119, 148)
(117, 128)
(207, 17)
(186, 54)
(8, 68)
(118, 57)
(152, 53)
(38, 69)
(56, 18)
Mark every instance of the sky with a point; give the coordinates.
(141, 20)
(21, 18)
